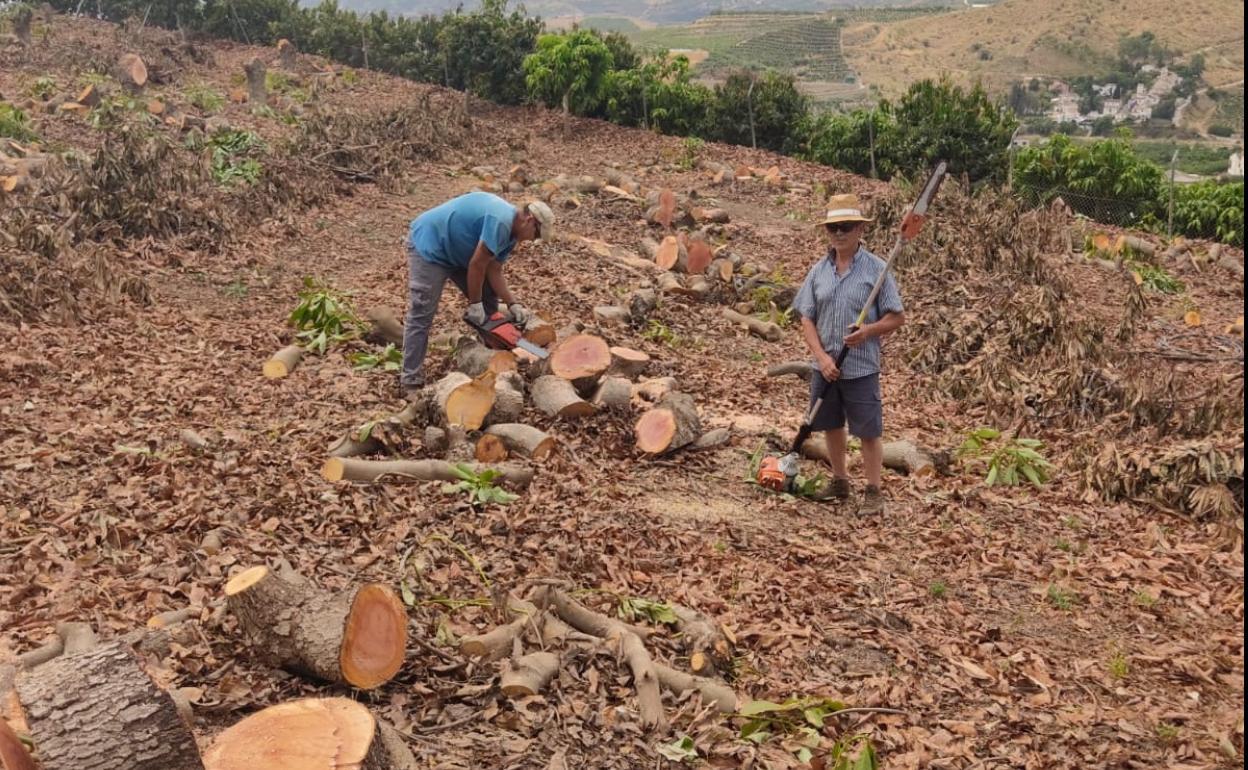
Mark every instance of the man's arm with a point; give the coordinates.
(886, 325)
(810, 335)
(478, 268)
(494, 274)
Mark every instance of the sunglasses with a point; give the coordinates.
(841, 227)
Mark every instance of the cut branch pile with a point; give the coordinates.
(552, 621)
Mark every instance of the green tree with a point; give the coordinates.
(845, 141)
(659, 95)
(1105, 180)
(773, 100)
(569, 70)
(483, 52)
(937, 120)
(250, 21)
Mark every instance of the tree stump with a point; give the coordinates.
(286, 54)
(131, 72)
(672, 424)
(357, 637)
(257, 89)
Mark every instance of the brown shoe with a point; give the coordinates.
(872, 502)
(835, 489)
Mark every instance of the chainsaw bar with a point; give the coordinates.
(530, 348)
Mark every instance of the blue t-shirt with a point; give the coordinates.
(448, 234)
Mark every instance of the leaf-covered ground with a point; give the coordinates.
(1012, 627)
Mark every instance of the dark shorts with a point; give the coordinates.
(856, 400)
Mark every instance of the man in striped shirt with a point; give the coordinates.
(828, 302)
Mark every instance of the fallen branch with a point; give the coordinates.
(557, 397)
(524, 439)
(758, 327)
(800, 369)
(529, 674)
(498, 642)
(376, 471)
(283, 362)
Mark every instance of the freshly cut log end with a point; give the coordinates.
(671, 255)
(580, 357)
(627, 363)
(375, 639)
(524, 439)
(357, 637)
(313, 733)
(465, 401)
(132, 72)
(283, 362)
(90, 96)
(490, 449)
(556, 397)
(96, 708)
(699, 258)
(674, 423)
(529, 674)
(539, 332)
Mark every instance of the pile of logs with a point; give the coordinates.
(20, 165)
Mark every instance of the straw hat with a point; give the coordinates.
(545, 219)
(844, 208)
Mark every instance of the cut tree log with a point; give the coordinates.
(386, 327)
(713, 439)
(721, 269)
(131, 72)
(557, 397)
(717, 216)
(328, 733)
(99, 709)
(529, 674)
(672, 424)
(901, 456)
(669, 283)
(580, 359)
(508, 398)
(356, 637)
(89, 96)
(699, 287)
(464, 400)
(490, 449)
(286, 54)
(699, 257)
(400, 471)
(672, 256)
(498, 642)
(434, 440)
(283, 362)
(613, 393)
(641, 304)
(257, 90)
(713, 693)
(612, 315)
(756, 326)
(622, 256)
(474, 359)
(653, 390)
(801, 369)
(667, 208)
(524, 440)
(539, 332)
(627, 363)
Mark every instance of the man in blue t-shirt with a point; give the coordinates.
(468, 240)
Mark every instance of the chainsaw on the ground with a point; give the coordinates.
(779, 474)
(500, 332)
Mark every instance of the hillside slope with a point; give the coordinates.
(1095, 621)
(1060, 38)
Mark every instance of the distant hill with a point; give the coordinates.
(1018, 38)
(642, 13)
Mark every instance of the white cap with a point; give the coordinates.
(545, 219)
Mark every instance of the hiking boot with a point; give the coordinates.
(872, 502)
(835, 489)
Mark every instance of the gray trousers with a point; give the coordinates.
(425, 281)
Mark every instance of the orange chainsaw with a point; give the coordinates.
(500, 332)
(780, 473)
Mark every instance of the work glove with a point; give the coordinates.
(475, 314)
(519, 313)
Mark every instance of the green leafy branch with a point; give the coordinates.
(799, 722)
(1010, 461)
(634, 608)
(479, 487)
(390, 359)
(324, 316)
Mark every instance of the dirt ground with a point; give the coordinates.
(1007, 627)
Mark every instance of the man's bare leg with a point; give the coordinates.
(873, 460)
(837, 443)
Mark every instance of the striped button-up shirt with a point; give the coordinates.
(833, 301)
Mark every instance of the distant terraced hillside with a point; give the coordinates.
(1017, 38)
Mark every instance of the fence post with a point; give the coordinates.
(749, 98)
(871, 139)
(1174, 161)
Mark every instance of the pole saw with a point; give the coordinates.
(779, 473)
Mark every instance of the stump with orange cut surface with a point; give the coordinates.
(355, 637)
(671, 255)
(323, 733)
(699, 256)
(672, 424)
(581, 359)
